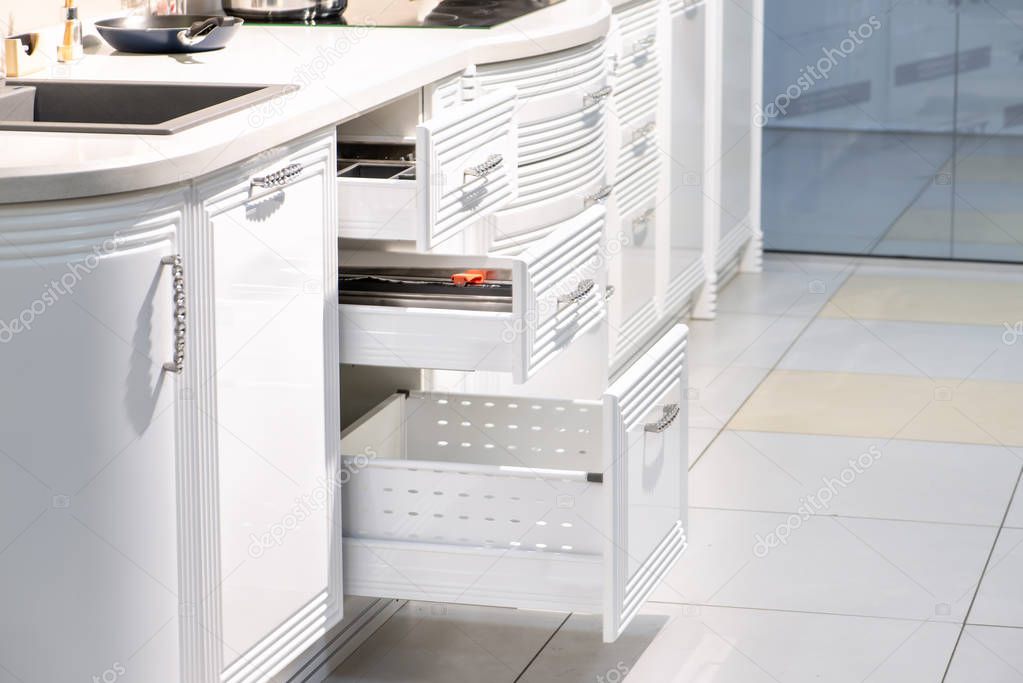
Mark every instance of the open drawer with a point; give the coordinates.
(527, 503)
(462, 167)
(400, 309)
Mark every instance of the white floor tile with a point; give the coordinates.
(1015, 517)
(860, 477)
(577, 652)
(1000, 598)
(743, 339)
(988, 654)
(699, 439)
(779, 293)
(809, 263)
(722, 645)
(907, 348)
(836, 565)
(436, 643)
(716, 393)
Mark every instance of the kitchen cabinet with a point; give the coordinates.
(656, 268)
(172, 445)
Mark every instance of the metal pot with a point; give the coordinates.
(284, 10)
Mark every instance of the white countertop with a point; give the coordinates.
(342, 71)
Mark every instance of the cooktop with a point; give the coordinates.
(431, 13)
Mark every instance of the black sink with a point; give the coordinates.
(128, 107)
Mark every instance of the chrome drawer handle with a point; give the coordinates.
(597, 95)
(482, 170)
(609, 292)
(670, 414)
(644, 43)
(644, 131)
(644, 219)
(577, 294)
(180, 313)
(599, 196)
(279, 178)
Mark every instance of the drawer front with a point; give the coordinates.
(677, 7)
(551, 191)
(447, 93)
(645, 455)
(551, 85)
(637, 24)
(564, 295)
(639, 171)
(552, 137)
(637, 98)
(466, 166)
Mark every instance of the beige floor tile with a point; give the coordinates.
(927, 300)
(989, 169)
(886, 406)
(933, 225)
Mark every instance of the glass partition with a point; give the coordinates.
(892, 128)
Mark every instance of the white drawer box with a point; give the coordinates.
(551, 295)
(527, 503)
(550, 191)
(465, 168)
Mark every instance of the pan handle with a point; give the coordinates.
(199, 31)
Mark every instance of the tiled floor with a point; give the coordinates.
(856, 444)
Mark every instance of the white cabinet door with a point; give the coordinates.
(268, 288)
(88, 509)
(685, 234)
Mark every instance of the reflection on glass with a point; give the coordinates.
(893, 128)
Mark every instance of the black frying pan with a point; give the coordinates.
(169, 34)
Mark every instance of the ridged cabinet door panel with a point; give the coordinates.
(646, 461)
(271, 297)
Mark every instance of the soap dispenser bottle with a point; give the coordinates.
(71, 49)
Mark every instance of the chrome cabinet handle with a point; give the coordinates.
(279, 178)
(482, 170)
(577, 294)
(670, 414)
(644, 219)
(597, 95)
(644, 131)
(180, 313)
(599, 196)
(644, 43)
(609, 292)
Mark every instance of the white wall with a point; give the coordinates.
(33, 14)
